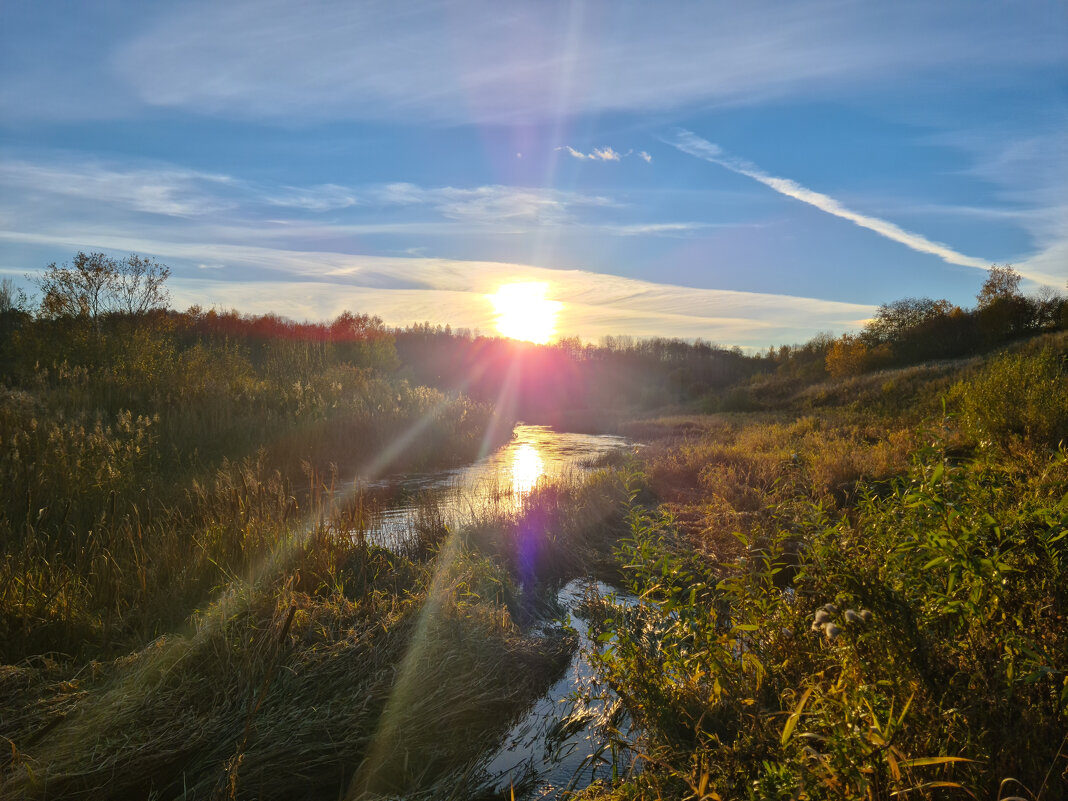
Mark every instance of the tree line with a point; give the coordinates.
(913, 330)
(98, 311)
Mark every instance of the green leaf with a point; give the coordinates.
(791, 722)
(922, 761)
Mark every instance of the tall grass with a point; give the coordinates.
(842, 606)
(154, 470)
(338, 663)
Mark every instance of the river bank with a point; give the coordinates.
(329, 662)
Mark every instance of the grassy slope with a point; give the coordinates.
(939, 542)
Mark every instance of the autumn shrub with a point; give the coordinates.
(921, 644)
(1019, 395)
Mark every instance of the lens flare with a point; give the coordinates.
(523, 312)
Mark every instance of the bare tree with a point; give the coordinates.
(96, 284)
(11, 297)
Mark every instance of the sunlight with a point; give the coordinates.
(524, 313)
(527, 468)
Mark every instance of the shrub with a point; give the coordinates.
(1016, 396)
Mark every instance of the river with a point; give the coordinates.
(548, 747)
(498, 481)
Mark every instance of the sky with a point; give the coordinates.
(751, 173)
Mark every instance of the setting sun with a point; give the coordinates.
(523, 312)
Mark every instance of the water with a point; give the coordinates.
(558, 744)
(498, 482)
(549, 747)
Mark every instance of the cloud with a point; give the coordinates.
(491, 204)
(166, 190)
(319, 285)
(600, 154)
(648, 159)
(639, 229)
(605, 154)
(1031, 172)
(100, 189)
(476, 62)
(325, 197)
(688, 142)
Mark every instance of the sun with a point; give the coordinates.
(523, 312)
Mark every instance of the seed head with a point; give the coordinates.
(865, 615)
(852, 617)
(822, 616)
(831, 631)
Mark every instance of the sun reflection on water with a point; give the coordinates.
(527, 468)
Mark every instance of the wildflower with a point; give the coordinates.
(831, 631)
(852, 617)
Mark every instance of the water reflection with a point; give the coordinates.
(498, 483)
(527, 468)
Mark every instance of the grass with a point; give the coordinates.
(847, 605)
(849, 590)
(368, 680)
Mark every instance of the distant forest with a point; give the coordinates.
(110, 317)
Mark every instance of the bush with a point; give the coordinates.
(921, 644)
(1016, 396)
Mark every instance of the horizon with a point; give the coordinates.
(750, 176)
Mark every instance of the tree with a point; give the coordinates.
(1002, 283)
(96, 284)
(894, 321)
(12, 299)
(1002, 309)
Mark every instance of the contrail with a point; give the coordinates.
(689, 142)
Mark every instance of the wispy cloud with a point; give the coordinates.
(318, 285)
(605, 154)
(163, 190)
(689, 142)
(597, 154)
(492, 203)
(1031, 173)
(325, 197)
(641, 229)
(476, 62)
(168, 191)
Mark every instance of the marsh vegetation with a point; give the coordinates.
(844, 583)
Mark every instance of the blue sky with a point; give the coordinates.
(748, 173)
